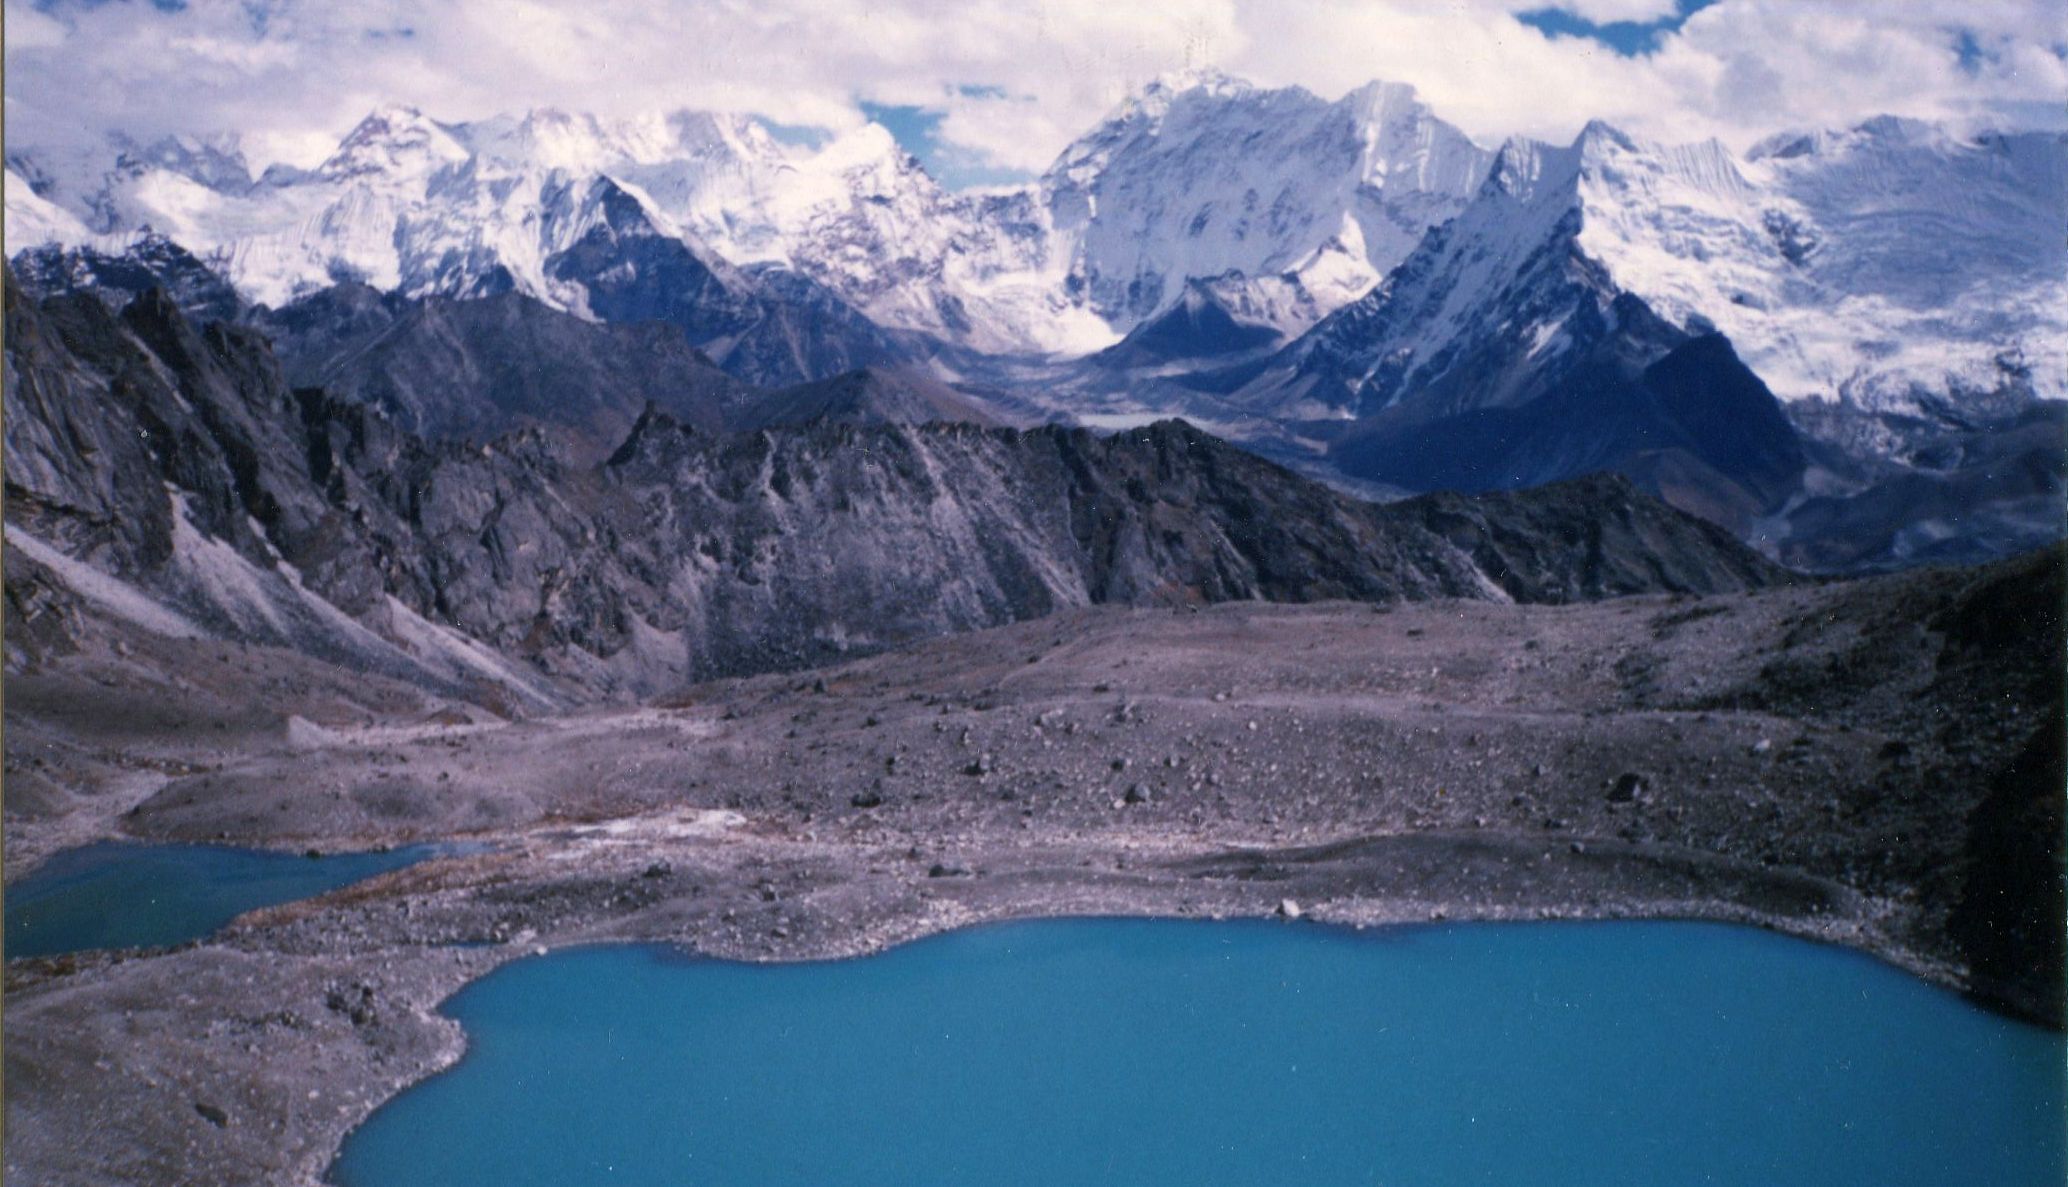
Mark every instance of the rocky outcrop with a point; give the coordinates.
(479, 367)
(1593, 537)
(765, 324)
(1688, 422)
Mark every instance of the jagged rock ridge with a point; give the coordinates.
(179, 464)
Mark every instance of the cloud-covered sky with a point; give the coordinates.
(989, 88)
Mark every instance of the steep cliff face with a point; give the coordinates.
(1301, 203)
(180, 464)
(171, 477)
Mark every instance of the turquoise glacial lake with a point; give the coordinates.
(118, 895)
(1141, 1053)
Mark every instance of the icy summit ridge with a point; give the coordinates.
(1889, 264)
(1031, 269)
(1890, 261)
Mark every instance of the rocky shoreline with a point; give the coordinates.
(251, 1057)
(1818, 760)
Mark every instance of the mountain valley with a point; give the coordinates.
(1280, 507)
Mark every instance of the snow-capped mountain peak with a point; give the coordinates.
(394, 141)
(1198, 174)
(216, 162)
(1883, 130)
(1221, 177)
(1529, 171)
(548, 138)
(1880, 261)
(1155, 97)
(1893, 264)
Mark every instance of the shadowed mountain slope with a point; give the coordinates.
(179, 463)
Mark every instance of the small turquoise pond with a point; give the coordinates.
(1139, 1053)
(118, 895)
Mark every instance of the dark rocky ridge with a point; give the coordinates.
(1946, 486)
(475, 370)
(1198, 327)
(766, 324)
(475, 367)
(865, 397)
(689, 554)
(153, 261)
(1673, 409)
(1823, 487)
(1695, 426)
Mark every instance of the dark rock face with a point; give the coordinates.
(180, 461)
(2008, 920)
(829, 538)
(1949, 487)
(1198, 327)
(152, 262)
(689, 553)
(1993, 850)
(1552, 373)
(632, 272)
(1352, 359)
(866, 397)
(77, 468)
(804, 331)
(1588, 538)
(1724, 417)
(1695, 427)
(475, 370)
(768, 326)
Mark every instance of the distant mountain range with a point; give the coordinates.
(1846, 346)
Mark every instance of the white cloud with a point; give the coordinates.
(1014, 79)
(30, 29)
(1737, 70)
(1753, 64)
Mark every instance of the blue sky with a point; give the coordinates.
(1628, 38)
(918, 131)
